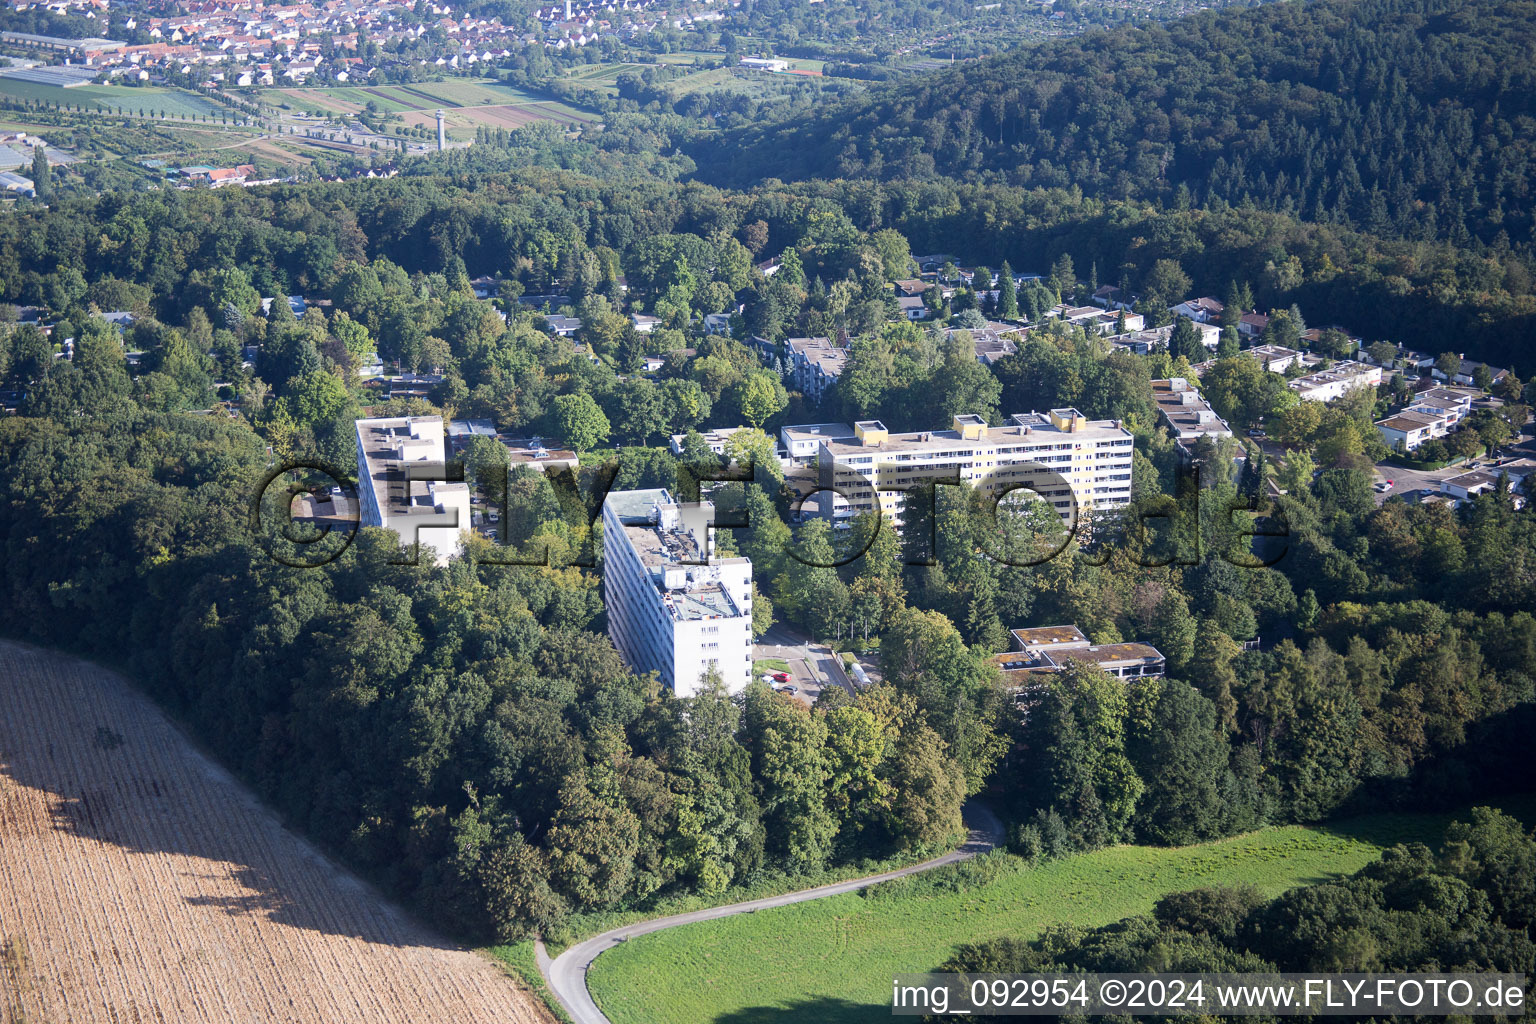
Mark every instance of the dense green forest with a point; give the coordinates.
(468, 734)
(1410, 118)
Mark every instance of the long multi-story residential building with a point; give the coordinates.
(673, 607)
(396, 457)
(1075, 463)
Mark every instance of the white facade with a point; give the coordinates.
(1073, 463)
(1336, 381)
(422, 511)
(715, 439)
(673, 608)
(803, 440)
(1407, 430)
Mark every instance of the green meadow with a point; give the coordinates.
(831, 960)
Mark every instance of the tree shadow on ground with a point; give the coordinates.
(822, 1010)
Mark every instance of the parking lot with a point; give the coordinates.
(811, 666)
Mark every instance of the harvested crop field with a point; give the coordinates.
(139, 882)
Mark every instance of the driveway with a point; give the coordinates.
(812, 667)
(1405, 480)
(567, 973)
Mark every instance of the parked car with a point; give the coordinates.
(789, 690)
(781, 677)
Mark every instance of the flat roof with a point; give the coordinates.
(637, 506)
(1037, 636)
(1026, 428)
(817, 430)
(1111, 654)
(1406, 421)
(1474, 478)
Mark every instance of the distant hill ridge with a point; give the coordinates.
(1410, 118)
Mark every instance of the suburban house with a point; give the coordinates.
(715, 439)
(564, 326)
(1203, 310)
(1111, 297)
(1467, 372)
(1252, 324)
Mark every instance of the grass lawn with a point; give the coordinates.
(770, 665)
(519, 959)
(830, 960)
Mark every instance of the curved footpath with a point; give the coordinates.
(566, 974)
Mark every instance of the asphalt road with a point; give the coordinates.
(811, 665)
(566, 974)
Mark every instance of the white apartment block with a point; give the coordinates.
(674, 608)
(1075, 463)
(817, 363)
(1407, 430)
(1337, 381)
(1453, 404)
(432, 513)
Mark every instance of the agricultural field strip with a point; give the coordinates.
(140, 882)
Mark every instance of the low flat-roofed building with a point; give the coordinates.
(673, 607)
(1407, 430)
(1337, 381)
(1186, 413)
(1043, 650)
(1275, 358)
(1482, 481)
(803, 440)
(538, 454)
(714, 438)
(396, 459)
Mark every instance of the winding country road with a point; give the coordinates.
(567, 973)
